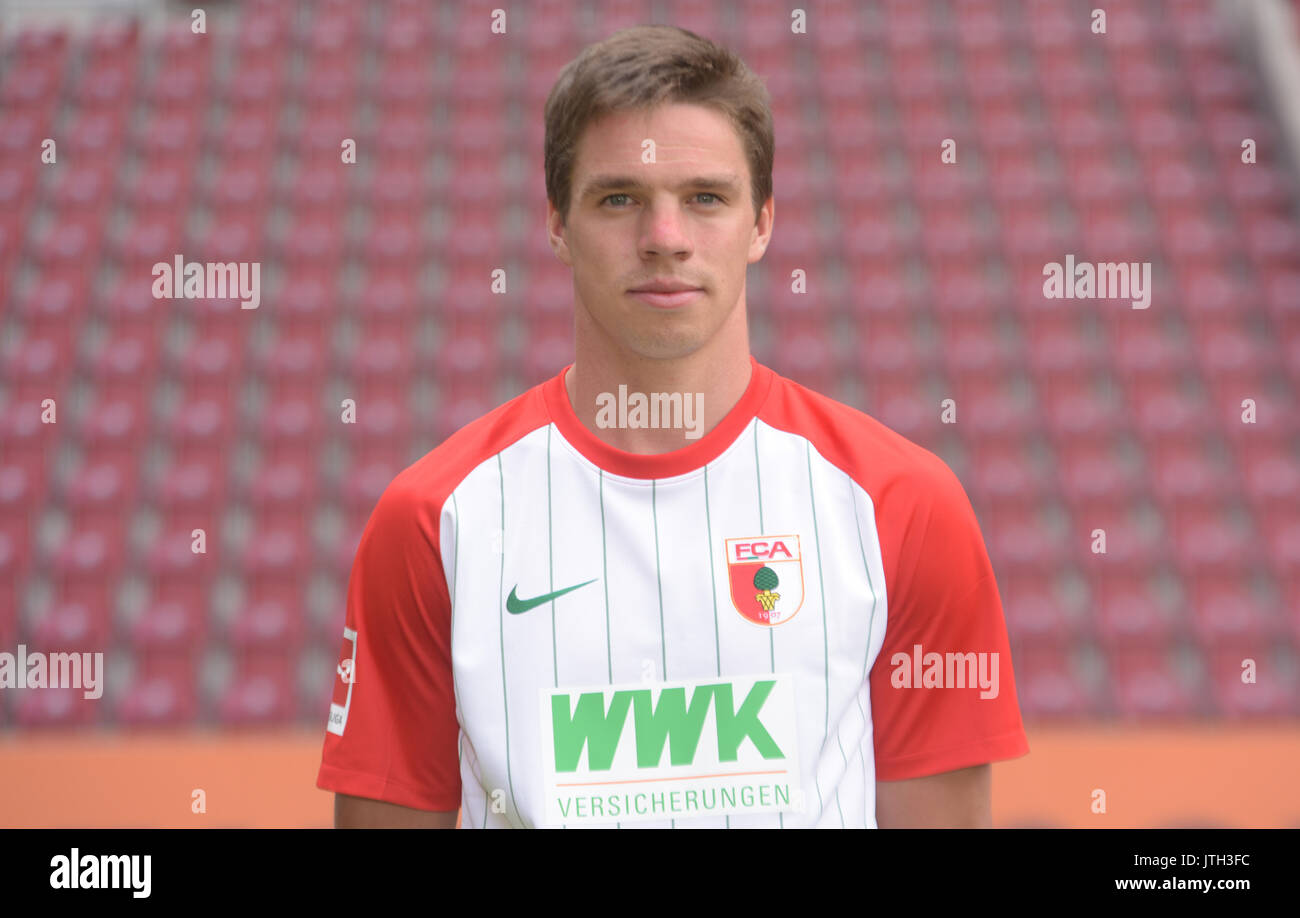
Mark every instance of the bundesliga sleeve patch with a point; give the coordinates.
(346, 675)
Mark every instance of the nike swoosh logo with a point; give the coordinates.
(515, 605)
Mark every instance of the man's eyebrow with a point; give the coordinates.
(602, 183)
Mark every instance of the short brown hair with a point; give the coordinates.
(644, 66)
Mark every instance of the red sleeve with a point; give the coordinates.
(392, 733)
(942, 595)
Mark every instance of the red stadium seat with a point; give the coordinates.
(1281, 531)
(1270, 473)
(1007, 472)
(97, 132)
(162, 691)
(1100, 469)
(275, 556)
(1022, 539)
(1037, 613)
(170, 556)
(1272, 690)
(1050, 686)
(105, 487)
(1164, 407)
(180, 81)
(170, 624)
(259, 693)
(126, 358)
(200, 421)
(1188, 474)
(1129, 611)
(307, 300)
(41, 359)
(1208, 538)
(1226, 612)
(888, 347)
(295, 362)
(153, 236)
(56, 707)
(1061, 345)
(195, 483)
(73, 624)
(116, 422)
(269, 622)
(1148, 683)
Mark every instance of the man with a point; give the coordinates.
(569, 615)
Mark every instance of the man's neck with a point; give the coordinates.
(614, 397)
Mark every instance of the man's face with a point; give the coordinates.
(686, 216)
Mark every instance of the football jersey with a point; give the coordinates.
(748, 631)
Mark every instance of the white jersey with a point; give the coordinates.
(543, 630)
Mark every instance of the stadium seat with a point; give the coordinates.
(259, 693)
(162, 691)
(1149, 684)
(1190, 473)
(1037, 613)
(1271, 691)
(268, 622)
(1130, 610)
(197, 482)
(1226, 612)
(1208, 537)
(73, 624)
(1008, 472)
(1049, 686)
(170, 624)
(55, 707)
(1099, 469)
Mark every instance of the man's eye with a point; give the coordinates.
(713, 198)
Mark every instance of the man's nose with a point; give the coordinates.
(664, 232)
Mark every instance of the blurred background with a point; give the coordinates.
(925, 282)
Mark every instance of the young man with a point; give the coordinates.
(562, 616)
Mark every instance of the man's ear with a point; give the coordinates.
(555, 233)
(762, 234)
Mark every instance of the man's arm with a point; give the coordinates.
(961, 799)
(361, 813)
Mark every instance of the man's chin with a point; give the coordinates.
(665, 347)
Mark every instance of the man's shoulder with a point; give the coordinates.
(432, 478)
(877, 457)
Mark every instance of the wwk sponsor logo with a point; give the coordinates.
(670, 749)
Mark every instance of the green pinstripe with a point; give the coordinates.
(505, 693)
(826, 653)
(771, 639)
(875, 597)
(713, 579)
(604, 570)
